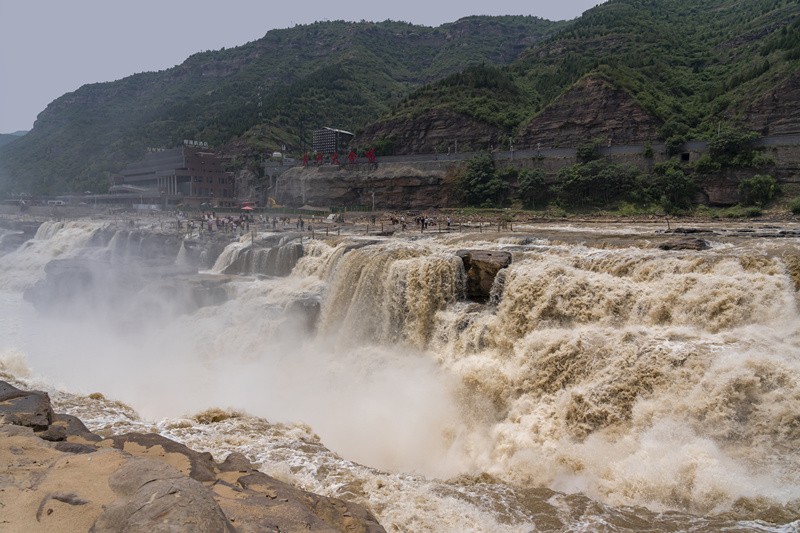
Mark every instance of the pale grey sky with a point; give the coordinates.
(51, 47)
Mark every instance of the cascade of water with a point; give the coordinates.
(228, 256)
(242, 257)
(389, 294)
(25, 266)
(629, 375)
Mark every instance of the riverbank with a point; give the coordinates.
(357, 222)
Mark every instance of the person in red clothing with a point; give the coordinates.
(335, 158)
(352, 156)
(305, 159)
(371, 155)
(319, 158)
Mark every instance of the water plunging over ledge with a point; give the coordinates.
(605, 385)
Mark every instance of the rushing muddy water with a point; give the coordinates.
(606, 386)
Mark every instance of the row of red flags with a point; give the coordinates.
(352, 157)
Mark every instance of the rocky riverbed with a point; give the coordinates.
(59, 476)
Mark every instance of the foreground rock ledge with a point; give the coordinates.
(57, 476)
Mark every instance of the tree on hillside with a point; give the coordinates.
(532, 188)
(732, 147)
(758, 190)
(595, 183)
(480, 184)
(588, 152)
(672, 187)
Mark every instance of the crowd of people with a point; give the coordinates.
(209, 221)
(242, 223)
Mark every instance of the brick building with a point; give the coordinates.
(190, 175)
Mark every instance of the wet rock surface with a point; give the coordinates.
(687, 243)
(25, 408)
(481, 267)
(142, 482)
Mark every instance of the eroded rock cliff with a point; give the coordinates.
(592, 109)
(438, 131)
(777, 112)
(386, 185)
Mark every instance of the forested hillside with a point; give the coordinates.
(683, 65)
(266, 93)
(627, 71)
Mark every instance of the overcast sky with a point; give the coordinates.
(51, 47)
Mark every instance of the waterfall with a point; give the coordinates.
(245, 258)
(629, 380)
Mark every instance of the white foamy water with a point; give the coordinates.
(612, 386)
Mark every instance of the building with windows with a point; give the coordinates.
(190, 175)
(330, 140)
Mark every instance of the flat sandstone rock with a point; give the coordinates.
(72, 480)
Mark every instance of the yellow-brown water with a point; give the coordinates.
(608, 386)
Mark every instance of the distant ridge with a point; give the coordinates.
(6, 138)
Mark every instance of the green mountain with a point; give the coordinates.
(257, 97)
(629, 70)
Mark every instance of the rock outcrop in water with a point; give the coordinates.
(58, 476)
(686, 243)
(481, 267)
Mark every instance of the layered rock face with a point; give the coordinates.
(434, 132)
(592, 109)
(58, 476)
(778, 112)
(400, 186)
